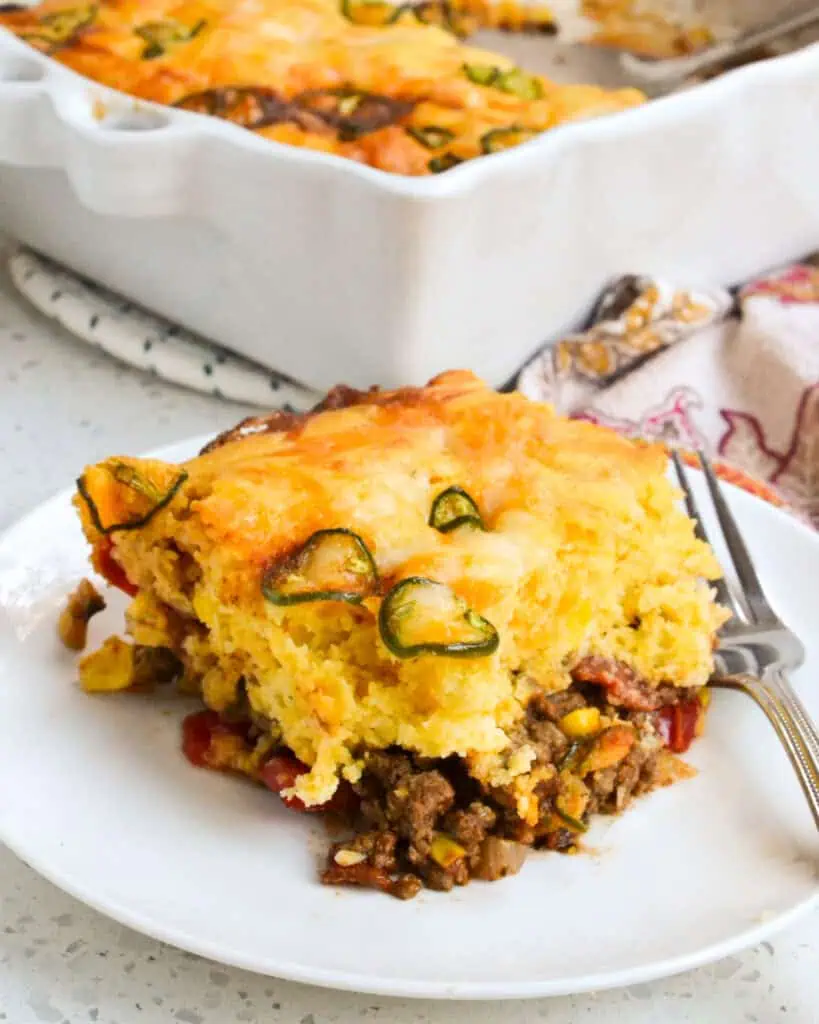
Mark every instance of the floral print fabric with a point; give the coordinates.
(736, 375)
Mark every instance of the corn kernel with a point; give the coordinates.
(108, 669)
(446, 851)
(581, 722)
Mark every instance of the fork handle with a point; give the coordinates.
(774, 693)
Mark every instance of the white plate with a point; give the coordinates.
(97, 797)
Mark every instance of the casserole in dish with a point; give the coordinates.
(383, 83)
(369, 80)
(328, 269)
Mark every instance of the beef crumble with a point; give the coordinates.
(369, 860)
(423, 823)
(624, 687)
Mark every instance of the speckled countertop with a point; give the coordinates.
(62, 405)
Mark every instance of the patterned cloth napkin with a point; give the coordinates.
(736, 375)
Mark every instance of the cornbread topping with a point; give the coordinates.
(447, 615)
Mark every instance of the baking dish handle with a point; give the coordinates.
(121, 157)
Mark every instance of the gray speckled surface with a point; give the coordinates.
(62, 405)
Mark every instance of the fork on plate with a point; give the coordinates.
(756, 649)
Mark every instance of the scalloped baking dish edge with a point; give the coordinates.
(328, 270)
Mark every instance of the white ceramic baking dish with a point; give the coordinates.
(328, 270)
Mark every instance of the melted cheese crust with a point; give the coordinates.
(284, 49)
(585, 553)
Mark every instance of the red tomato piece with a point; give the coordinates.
(677, 724)
(281, 772)
(112, 571)
(343, 801)
(197, 732)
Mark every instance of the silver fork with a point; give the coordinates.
(756, 649)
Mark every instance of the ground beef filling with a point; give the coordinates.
(430, 824)
(412, 822)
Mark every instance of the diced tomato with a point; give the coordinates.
(197, 732)
(282, 771)
(677, 724)
(112, 571)
(279, 772)
(343, 801)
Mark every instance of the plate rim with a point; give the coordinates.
(369, 984)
